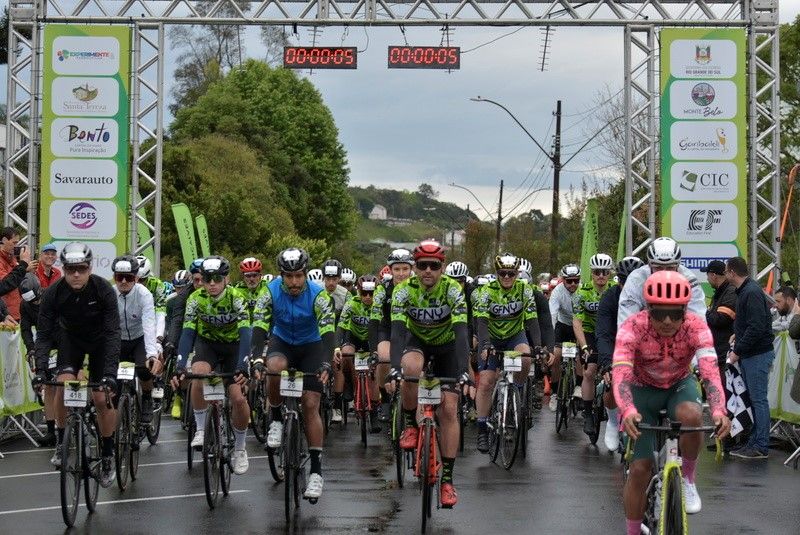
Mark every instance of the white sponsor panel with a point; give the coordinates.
(704, 181)
(103, 254)
(83, 219)
(702, 99)
(83, 96)
(703, 140)
(84, 179)
(84, 138)
(89, 56)
(697, 255)
(702, 58)
(704, 222)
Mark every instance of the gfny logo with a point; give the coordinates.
(703, 220)
(83, 215)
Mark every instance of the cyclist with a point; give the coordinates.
(460, 272)
(332, 276)
(587, 300)
(429, 321)
(561, 305)
(652, 357)
(504, 310)
(217, 326)
(299, 315)
(663, 254)
(526, 267)
(251, 284)
(353, 335)
(181, 279)
(385, 274)
(159, 289)
(400, 262)
(606, 333)
(79, 316)
(137, 318)
(349, 280)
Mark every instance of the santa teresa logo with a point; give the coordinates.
(702, 54)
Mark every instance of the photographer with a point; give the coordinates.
(15, 261)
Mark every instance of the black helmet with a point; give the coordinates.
(332, 268)
(76, 253)
(126, 264)
(627, 265)
(293, 259)
(30, 288)
(215, 265)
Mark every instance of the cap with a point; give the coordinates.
(49, 247)
(717, 267)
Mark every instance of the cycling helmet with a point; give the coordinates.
(667, 288)
(526, 266)
(506, 261)
(570, 270)
(268, 277)
(400, 256)
(76, 253)
(332, 268)
(663, 252)
(627, 265)
(491, 277)
(544, 287)
(250, 265)
(145, 267)
(181, 278)
(553, 282)
(216, 265)
(385, 274)
(196, 266)
(367, 283)
(315, 275)
(601, 261)
(429, 249)
(458, 270)
(481, 280)
(293, 259)
(125, 264)
(524, 277)
(470, 280)
(30, 288)
(348, 276)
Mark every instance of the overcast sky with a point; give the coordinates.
(404, 127)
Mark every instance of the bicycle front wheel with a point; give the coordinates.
(290, 466)
(397, 430)
(361, 407)
(71, 470)
(511, 427)
(211, 456)
(462, 419)
(154, 429)
(136, 435)
(425, 475)
(259, 420)
(122, 444)
(226, 450)
(189, 424)
(91, 464)
(673, 517)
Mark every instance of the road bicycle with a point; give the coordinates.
(259, 414)
(531, 398)
(566, 407)
(506, 420)
(403, 459)
(130, 432)
(598, 406)
(364, 365)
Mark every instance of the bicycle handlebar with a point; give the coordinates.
(442, 380)
(291, 373)
(675, 427)
(211, 375)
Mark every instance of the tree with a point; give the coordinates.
(283, 118)
(479, 242)
(274, 39)
(427, 191)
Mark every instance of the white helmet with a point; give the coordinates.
(491, 277)
(145, 267)
(663, 251)
(481, 280)
(348, 276)
(470, 280)
(267, 277)
(601, 261)
(525, 265)
(386, 277)
(315, 275)
(525, 277)
(570, 270)
(457, 270)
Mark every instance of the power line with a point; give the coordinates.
(493, 40)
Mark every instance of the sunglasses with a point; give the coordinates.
(252, 275)
(506, 274)
(124, 277)
(366, 293)
(661, 314)
(81, 268)
(431, 265)
(571, 281)
(214, 277)
(601, 272)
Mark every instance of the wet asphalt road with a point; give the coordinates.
(565, 486)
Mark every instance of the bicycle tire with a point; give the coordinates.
(211, 460)
(259, 421)
(494, 427)
(122, 442)
(169, 393)
(526, 411)
(597, 413)
(461, 414)
(91, 464)
(289, 467)
(362, 411)
(674, 516)
(425, 461)
(562, 414)
(189, 424)
(397, 430)
(154, 429)
(276, 463)
(136, 435)
(511, 427)
(226, 450)
(71, 470)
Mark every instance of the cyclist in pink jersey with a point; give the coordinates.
(651, 371)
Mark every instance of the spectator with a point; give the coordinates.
(752, 348)
(46, 273)
(12, 269)
(722, 311)
(782, 314)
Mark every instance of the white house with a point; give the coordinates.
(378, 213)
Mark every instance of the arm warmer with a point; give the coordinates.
(185, 346)
(482, 330)
(533, 333)
(462, 346)
(399, 333)
(245, 335)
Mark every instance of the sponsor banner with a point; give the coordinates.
(16, 393)
(185, 227)
(84, 96)
(85, 145)
(202, 233)
(589, 242)
(703, 145)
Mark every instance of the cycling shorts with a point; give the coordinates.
(509, 344)
(444, 359)
(223, 357)
(384, 333)
(72, 352)
(307, 358)
(564, 333)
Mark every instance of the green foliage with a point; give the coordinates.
(318, 250)
(419, 205)
(479, 245)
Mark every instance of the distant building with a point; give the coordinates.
(378, 213)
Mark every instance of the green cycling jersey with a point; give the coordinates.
(217, 318)
(585, 304)
(507, 311)
(355, 318)
(430, 314)
(250, 294)
(160, 291)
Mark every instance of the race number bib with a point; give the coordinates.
(361, 361)
(158, 393)
(214, 389)
(76, 394)
(52, 362)
(291, 386)
(569, 351)
(126, 371)
(512, 363)
(429, 392)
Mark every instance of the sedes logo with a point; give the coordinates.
(83, 215)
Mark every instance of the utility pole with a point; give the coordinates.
(499, 222)
(556, 177)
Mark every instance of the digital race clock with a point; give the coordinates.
(320, 57)
(424, 57)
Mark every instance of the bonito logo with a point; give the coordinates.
(83, 215)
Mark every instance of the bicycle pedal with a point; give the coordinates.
(312, 501)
